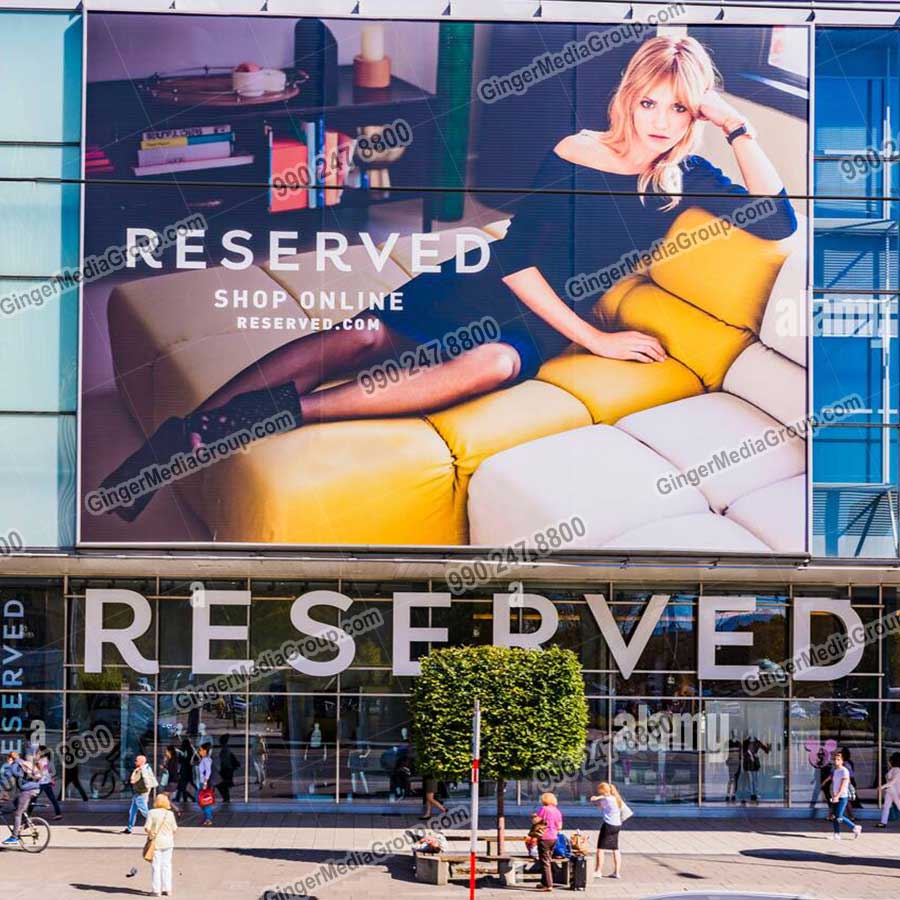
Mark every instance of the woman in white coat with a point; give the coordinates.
(891, 788)
(161, 826)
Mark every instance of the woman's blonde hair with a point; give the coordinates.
(683, 62)
(549, 799)
(605, 789)
(162, 802)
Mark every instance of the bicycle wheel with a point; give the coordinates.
(34, 835)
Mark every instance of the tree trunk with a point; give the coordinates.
(501, 815)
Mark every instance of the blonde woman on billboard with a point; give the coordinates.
(598, 197)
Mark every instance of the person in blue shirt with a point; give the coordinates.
(25, 773)
(598, 197)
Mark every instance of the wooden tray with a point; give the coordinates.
(215, 90)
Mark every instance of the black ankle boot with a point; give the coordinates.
(170, 439)
(279, 405)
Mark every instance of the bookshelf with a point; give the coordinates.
(119, 112)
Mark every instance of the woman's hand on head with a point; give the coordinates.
(633, 345)
(716, 110)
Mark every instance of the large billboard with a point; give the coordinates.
(513, 285)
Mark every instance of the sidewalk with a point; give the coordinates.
(244, 853)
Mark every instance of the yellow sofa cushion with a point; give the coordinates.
(706, 345)
(371, 481)
(728, 277)
(497, 421)
(612, 388)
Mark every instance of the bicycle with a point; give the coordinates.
(34, 835)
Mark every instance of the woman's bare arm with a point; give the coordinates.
(530, 286)
(757, 171)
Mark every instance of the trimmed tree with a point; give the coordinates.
(533, 714)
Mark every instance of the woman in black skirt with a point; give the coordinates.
(610, 805)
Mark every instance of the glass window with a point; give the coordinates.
(130, 719)
(219, 725)
(40, 64)
(672, 645)
(657, 741)
(293, 747)
(817, 729)
(31, 625)
(744, 752)
(41, 340)
(37, 479)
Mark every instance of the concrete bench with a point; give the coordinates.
(441, 868)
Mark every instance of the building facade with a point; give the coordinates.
(123, 637)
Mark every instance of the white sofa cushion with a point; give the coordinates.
(699, 532)
(598, 473)
(776, 514)
(770, 381)
(690, 432)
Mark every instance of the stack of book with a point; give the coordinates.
(96, 162)
(308, 170)
(186, 149)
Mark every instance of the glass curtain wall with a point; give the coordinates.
(40, 138)
(663, 735)
(856, 282)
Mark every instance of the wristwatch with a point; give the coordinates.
(732, 136)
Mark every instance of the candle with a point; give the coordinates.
(373, 42)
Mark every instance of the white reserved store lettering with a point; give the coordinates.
(626, 654)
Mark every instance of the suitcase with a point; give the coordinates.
(560, 869)
(579, 872)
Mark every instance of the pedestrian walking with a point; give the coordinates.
(546, 824)
(168, 779)
(890, 790)
(855, 803)
(142, 781)
(612, 807)
(228, 765)
(160, 828)
(205, 797)
(429, 789)
(840, 797)
(26, 773)
(47, 779)
(187, 760)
